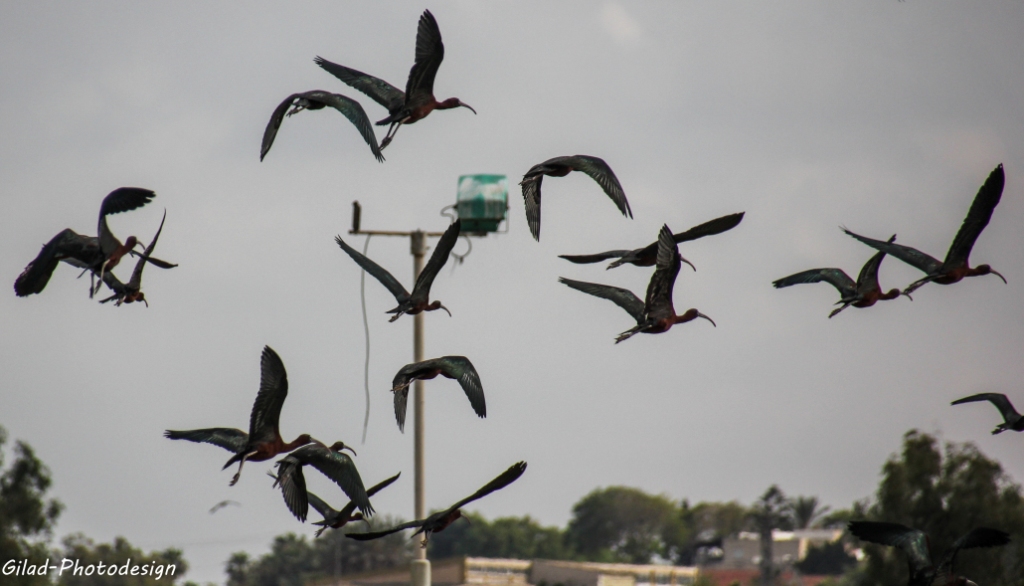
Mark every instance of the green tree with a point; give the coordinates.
(772, 511)
(806, 511)
(122, 554)
(506, 537)
(947, 495)
(624, 525)
(26, 516)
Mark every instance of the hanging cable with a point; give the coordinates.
(366, 329)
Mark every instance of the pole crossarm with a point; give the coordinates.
(394, 233)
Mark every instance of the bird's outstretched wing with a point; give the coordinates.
(122, 199)
(710, 228)
(340, 468)
(349, 508)
(378, 272)
(531, 197)
(599, 171)
(135, 282)
(501, 481)
(293, 486)
(583, 259)
(67, 245)
(911, 256)
(266, 410)
(998, 399)
(456, 367)
(912, 542)
(429, 54)
(867, 279)
(621, 297)
(977, 218)
(979, 537)
(378, 534)
(231, 439)
(274, 124)
(835, 277)
(658, 302)
(437, 260)
(377, 89)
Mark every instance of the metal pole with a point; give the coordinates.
(420, 568)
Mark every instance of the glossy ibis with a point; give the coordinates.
(596, 168)
(132, 291)
(223, 504)
(334, 519)
(1012, 420)
(656, 314)
(419, 299)
(440, 520)
(418, 100)
(316, 100)
(956, 265)
(333, 463)
(648, 255)
(864, 293)
(95, 254)
(914, 543)
(263, 441)
(456, 367)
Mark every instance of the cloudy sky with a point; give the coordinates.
(882, 116)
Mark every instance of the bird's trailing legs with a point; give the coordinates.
(390, 135)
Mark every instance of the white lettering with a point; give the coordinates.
(9, 567)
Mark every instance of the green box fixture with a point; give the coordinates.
(482, 202)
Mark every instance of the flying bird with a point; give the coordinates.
(596, 168)
(316, 100)
(419, 299)
(648, 255)
(864, 293)
(440, 520)
(333, 463)
(418, 99)
(263, 441)
(223, 504)
(456, 367)
(956, 266)
(656, 314)
(914, 543)
(1012, 420)
(96, 254)
(132, 291)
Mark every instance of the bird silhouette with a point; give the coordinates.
(1012, 420)
(333, 463)
(316, 100)
(596, 168)
(335, 519)
(657, 314)
(263, 441)
(956, 266)
(132, 291)
(915, 544)
(96, 254)
(648, 255)
(418, 99)
(419, 299)
(864, 293)
(440, 520)
(223, 504)
(456, 367)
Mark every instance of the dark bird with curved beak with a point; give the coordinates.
(442, 519)
(132, 291)
(316, 100)
(595, 167)
(454, 367)
(418, 99)
(333, 463)
(956, 266)
(657, 314)
(864, 293)
(419, 299)
(916, 545)
(263, 441)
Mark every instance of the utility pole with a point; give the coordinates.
(420, 567)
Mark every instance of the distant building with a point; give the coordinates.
(743, 551)
(495, 572)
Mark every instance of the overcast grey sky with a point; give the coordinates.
(882, 116)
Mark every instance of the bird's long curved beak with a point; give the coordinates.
(349, 448)
(689, 263)
(998, 274)
(439, 306)
(907, 295)
(699, 314)
(467, 106)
